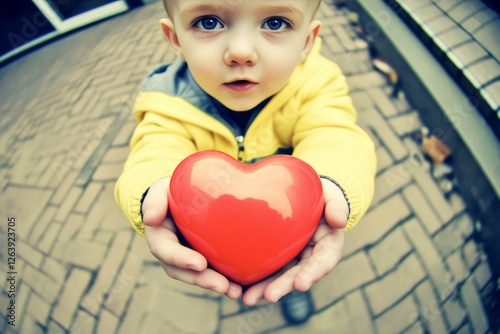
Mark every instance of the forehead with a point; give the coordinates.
(188, 6)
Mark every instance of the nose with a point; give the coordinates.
(240, 50)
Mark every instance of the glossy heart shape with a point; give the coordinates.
(248, 220)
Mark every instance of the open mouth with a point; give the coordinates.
(240, 85)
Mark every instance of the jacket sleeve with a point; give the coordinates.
(157, 146)
(327, 137)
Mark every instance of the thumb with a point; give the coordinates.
(155, 204)
(336, 207)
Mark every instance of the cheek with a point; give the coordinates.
(281, 68)
(199, 68)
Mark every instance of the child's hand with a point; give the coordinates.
(178, 261)
(321, 255)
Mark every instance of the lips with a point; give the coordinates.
(240, 85)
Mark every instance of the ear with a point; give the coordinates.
(168, 28)
(314, 28)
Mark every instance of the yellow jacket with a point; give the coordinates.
(312, 115)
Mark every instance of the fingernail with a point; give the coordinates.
(215, 289)
(257, 300)
(192, 266)
(275, 296)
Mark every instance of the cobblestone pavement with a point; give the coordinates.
(412, 265)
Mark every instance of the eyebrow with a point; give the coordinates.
(282, 10)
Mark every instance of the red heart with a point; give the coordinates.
(248, 220)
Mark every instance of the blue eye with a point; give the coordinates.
(275, 24)
(208, 23)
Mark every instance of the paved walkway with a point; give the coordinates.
(412, 265)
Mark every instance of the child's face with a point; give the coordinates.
(241, 51)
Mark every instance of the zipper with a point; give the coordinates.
(241, 147)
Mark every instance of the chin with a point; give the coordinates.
(240, 107)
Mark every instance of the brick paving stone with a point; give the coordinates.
(345, 38)
(26, 212)
(70, 228)
(108, 172)
(457, 203)
(125, 133)
(457, 266)
(422, 208)
(113, 219)
(49, 237)
(137, 309)
(398, 317)
(434, 194)
(346, 62)
(29, 325)
(47, 288)
(391, 181)
(23, 293)
(87, 254)
(429, 308)
(482, 275)
(116, 154)
(152, 323)
(40, 227)
(384, 160)
(471, 253)
(361, 100)
(67, 303)
(67, 179)
(383, 102)
(406, 124)
(455, 312)
(29, 254)
(256, 320)
(89, 196)
(185, 309)
(38, 308)
(486, 36)
(472, 301)
(229, 306)
(109, 269)
(389, 251)
(84, 323)
(124, 286)
(357, 305)
(376, 223)
(341, 280)
(454, 235)
(385, 133)
(365, 80)
(54, 269)
(104, 237)
(93, 219)
(108, 322)
(387, 291)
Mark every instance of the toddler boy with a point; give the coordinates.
(248, 80)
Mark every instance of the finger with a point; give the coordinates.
(207, 279)
(282, 285)
(322, 230)
(165, 246)
(154, 206)
(256, 292)
(234, 291)
(325, 256)
(336, 208)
